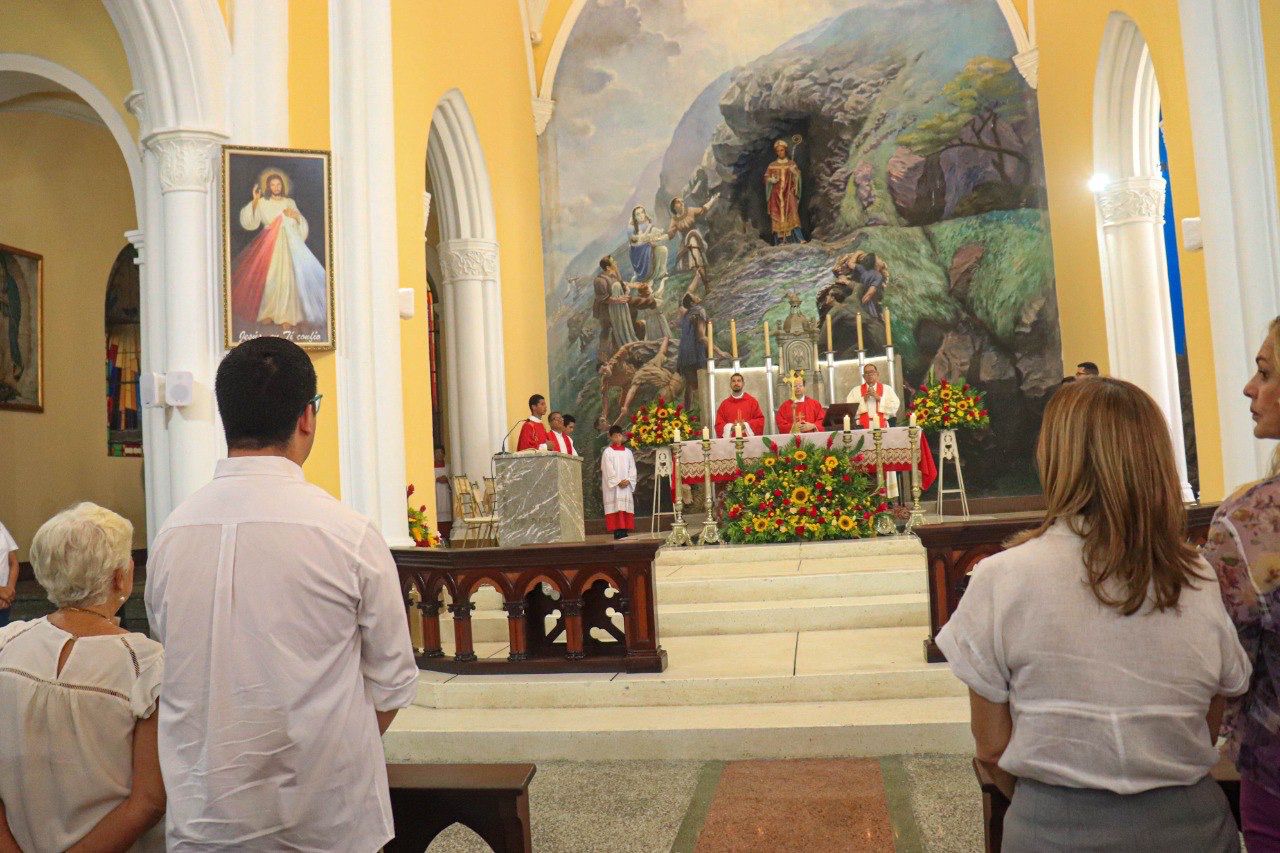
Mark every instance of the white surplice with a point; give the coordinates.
(616, 466)
(884, 407)
(284, 630)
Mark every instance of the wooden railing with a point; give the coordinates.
(572, 587)
(955, 548)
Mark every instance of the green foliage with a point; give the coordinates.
(987, 90)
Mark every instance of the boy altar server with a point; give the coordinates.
(739, 408)
(618, 480)
(876, 401)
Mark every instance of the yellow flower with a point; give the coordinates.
(799, 495)
(831, 463)
(800, 456)
(760, 524)
(749, 479)
(662, 413)
(846, 523)
(769, 461)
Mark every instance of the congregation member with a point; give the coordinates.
(739, 408)
(618, 483)
(444, 495)
(557, 439)
(8, 574)
(877, 402)
(533, 434)
(570, 424)
(801, 413)
(285, 635)
(1244, 549)
(78, 762)
(1097, 650)
(1087, 368)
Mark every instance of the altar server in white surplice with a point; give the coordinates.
(877, 402)
(618, 481)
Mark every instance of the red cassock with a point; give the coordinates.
(745, 409)
(532, 435)
(808, 409)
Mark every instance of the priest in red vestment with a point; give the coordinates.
(800, 413)
(739, 408)
(533, 435)
(877, 402)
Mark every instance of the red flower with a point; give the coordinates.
(966, 387)
(882, 508)
(679, 408)
(763, 506)
(661, 402)
(779, 522)
(422, 508)
(786, 501)
(797, 439)
(409, 491)
(629, 435)
(867, 516)
(845, 477)
(800, 529)
(813, 511)
(800, 469)
(777, 493)
(944, 383)
(923, 388)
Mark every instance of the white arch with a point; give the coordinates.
(1130, 215)
(470, 289)
(97, 101)
(1016, 29)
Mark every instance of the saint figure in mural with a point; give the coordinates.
(782, 184)
(692, 354)
(693, 246)
(648, 249)
(276, 280)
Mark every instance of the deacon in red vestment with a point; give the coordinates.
(533, 435)
(739, 407)
(805, 413)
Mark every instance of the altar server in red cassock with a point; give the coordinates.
(877, 402)
(618, 483)
(533, 435)
(739, 407)
(800, 413)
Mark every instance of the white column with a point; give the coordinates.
(1236, 177)
(189, 228)
(476, 388)
(1136, 291)
(370, 405)
(259, 96)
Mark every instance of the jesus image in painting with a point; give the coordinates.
(278, 282)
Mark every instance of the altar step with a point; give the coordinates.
(725, 732)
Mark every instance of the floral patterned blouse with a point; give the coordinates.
(1244, 549)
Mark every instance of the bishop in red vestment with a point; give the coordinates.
(805, 410)
(739, 407)
(533, 435)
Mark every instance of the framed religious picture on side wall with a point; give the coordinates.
(21, 330)
(277, 246)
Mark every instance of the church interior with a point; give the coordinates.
(617, 207)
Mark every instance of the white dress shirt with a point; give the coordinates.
(7, 547)
(1099, 700)
(284, 629)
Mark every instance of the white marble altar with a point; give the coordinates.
(539, 498)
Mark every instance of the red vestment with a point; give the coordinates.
(532, 435)
(808, 409)
(745, 409)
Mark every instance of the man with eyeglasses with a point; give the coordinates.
(287, 649)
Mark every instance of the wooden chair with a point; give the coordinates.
(490, 799)
(490, 496)
(474, 517)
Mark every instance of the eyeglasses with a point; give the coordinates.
(314, 403)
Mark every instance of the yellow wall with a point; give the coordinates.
(69, 199)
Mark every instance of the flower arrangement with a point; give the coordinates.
(942, 405)
(799, 493)
(419, 529)
(654, 425)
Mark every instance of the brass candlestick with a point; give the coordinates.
(877, 438)
(710, 534)
(679, 535)
(917, 514)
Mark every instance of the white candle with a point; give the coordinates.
(860, 346)
(766, 338)
(847, 423)
(706, 434)
(677, 433)
(733, 337)
(888, 329)
(913, 419)
(737, 430)
(711, 354)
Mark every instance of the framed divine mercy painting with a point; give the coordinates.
(21, 330)
(277, 246)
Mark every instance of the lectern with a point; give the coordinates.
(539, 498)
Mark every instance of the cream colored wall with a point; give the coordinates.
(67, 197)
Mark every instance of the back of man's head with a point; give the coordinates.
(1088, 368)
(263, 386)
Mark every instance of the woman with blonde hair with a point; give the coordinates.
(78, 763)
(1096, 648)
(1244, 549)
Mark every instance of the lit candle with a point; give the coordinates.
(733, 337)
(830, 348)
(847, 423)
(711, 347)
(860, 346)
(766, 338)
(737, 430)
(677, 433)
(706, 434)
(888, 329)
(913, 419)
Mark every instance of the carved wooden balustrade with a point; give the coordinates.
(955, 548)
(579, 586)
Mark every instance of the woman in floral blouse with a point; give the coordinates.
(1244, 548)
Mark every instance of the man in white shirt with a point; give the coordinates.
(8, 574)
(287, 649)
(877, 402)
(557, 439)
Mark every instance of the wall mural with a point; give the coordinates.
(737, 149)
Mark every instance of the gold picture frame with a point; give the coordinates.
(277, 259)
(21, 330)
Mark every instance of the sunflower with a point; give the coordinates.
(800, 456)
(760, 524)
(846, 523)
(831, 463)
(770, 461)
(749, 480)
(799, 495)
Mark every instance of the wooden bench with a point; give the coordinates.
(490, 799)
(995, 803)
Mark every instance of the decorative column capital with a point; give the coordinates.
(136, 103)
(542, 111)
(1132, 200)
(1028, 65)
(136, 238)
(469, 259)
(426, 211)
(186, 160)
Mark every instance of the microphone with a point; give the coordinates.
(503, 446)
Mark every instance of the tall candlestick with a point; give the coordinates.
(711, 347)
(888, 329)
(733, 337)
(860, 346)
(766, 339)
(829, 347)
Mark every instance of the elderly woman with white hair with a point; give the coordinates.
(78, 762)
